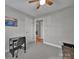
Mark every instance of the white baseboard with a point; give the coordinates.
(54, 45)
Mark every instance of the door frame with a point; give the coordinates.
(35, 20)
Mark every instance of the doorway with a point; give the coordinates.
(68, 51)
(39, 31)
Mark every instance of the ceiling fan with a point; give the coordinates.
(41, 2)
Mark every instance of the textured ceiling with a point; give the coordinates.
(30, 9)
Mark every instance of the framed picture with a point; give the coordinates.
(9, 21)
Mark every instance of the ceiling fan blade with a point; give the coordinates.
(38, 6)
(49, 2)
(33, 1)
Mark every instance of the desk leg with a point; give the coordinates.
(25, 46)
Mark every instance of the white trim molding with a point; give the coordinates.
(54, 45)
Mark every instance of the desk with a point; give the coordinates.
(17, 43)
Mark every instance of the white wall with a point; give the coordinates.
(25, 24)
(59, 26)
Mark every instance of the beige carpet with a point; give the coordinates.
(39, 52)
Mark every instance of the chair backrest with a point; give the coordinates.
(20, 41)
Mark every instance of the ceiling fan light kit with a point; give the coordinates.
(41, 2)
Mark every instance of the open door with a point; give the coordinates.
(39, 31)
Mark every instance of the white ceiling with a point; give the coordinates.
(30, 9)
